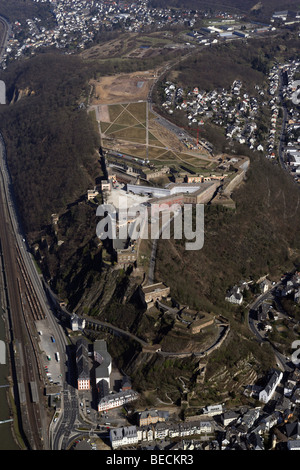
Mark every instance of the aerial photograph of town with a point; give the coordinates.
(149, 228)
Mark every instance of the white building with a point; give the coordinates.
(77, 323)
(123, 436)
(116, 400)
(212, 410)
(234, 296)
(266, 393)
(103, 358)
(92, 193)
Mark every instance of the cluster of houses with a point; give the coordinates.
(155, 424)
(232, 109)
(77, 23)
(290, 86)
(282, 85)
(276, 415)
(238, 112)
(291, 288)
(133, 435)
(273, 79)
(235, 294)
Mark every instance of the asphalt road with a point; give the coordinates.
(282, 361)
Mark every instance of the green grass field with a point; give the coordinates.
(128, 122)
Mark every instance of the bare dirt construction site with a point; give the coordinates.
(122, 88)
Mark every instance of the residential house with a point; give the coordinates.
(289, 387)
(262, 313)
(234, 296)
(247, 420)
(265, 285)
(284, 406)
(116, 400)
(229, 416)
(292, 430)
(126, 384)
(105, 185)
(161, 430)
(174, 430)
(123, 436)
(271, 420)
(145, 433)
(255, 441)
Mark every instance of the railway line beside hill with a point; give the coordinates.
(20, 311)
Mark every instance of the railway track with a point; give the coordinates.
(22, 309)
(38, 313)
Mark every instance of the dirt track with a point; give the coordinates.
(122, 88)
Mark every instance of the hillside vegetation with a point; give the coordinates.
(259, 237)
(51, 141)
(53, 158)
(22, 9)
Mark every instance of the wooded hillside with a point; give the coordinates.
(22, 9)
(51, 142)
